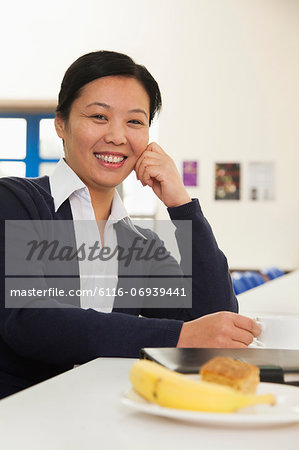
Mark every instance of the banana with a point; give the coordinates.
(157, 384)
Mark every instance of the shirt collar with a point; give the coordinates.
(61, 191)
(118, 210)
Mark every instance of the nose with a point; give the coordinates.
(115, 134)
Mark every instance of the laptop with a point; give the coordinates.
(276, 365)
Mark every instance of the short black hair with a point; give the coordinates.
(100, 64)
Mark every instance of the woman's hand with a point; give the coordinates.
(156, 169)
(223, 329)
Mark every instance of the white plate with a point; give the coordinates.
(286, 409)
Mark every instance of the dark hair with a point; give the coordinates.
(100, 64)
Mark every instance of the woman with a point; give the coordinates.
(105, 108)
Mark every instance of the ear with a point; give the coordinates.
(59, 125)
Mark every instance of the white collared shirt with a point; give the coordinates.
(65, 184)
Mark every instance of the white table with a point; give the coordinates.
(278, 296)
(81, 409)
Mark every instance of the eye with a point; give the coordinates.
(99, 117)
(135, 122)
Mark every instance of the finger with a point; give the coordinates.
(240, 335)
(141, 156)
(137, 164)
(247, 324)
(146, 157)
(146, 164)
(152, 172)
(144, 174)
(231, 343)
(154, 147)
(237, 344)
(140, 171)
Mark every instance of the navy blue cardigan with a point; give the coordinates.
(38, 343)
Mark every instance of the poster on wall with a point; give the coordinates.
(227, 181)
(190, 173)
(261, 183)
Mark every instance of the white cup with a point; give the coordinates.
(281, 331)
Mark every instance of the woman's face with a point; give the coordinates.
(106, 131)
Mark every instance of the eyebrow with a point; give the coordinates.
(104, 105)
(138, 110)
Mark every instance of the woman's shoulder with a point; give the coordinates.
(18, 195)
(17, 183)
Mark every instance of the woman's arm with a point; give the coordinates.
(48, 331)
(212, 289)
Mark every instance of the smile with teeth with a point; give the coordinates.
(110, 158)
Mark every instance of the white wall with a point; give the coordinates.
(228, 71)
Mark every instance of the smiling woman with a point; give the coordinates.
(139, 291)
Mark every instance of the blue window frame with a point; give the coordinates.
(32, 159)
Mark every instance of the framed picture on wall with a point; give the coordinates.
(261, 181)
(227, 181)
(190, 173)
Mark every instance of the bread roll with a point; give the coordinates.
(241, 376)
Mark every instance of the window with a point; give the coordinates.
(13, 133)
(29, 145)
